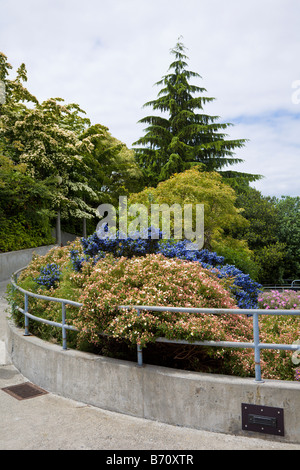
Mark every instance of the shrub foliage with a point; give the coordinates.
(103, 280)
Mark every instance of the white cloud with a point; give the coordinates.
(272, 151)
(106, 56)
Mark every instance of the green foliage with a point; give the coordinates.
(17, 234)
(24, 217)
(271, 259)
(78, 165)
(112, 169)
(288, 233)
(44, 138)
(183, 136)
(237, 253)
(51, 152)
(261, 234)
(154, 279)
(273, 234)
(262, 215)
(198, 187)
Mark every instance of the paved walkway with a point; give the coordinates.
(50, 422)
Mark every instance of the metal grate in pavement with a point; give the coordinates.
(24, 391)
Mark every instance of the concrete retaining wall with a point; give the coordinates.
(14, 260)
(202, 401)
(65, 237)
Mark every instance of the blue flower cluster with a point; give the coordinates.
(179, 249)
(78, 260)
(49, 276)
(244, 288)
(96, 246)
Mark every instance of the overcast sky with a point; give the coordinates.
(106, 55)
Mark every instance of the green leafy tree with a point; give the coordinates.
(198, 187)
(184, 135)
(45, 136)
(52, 153)
(262, 215)
(113, 170)
(288, 233)
(262, 234)
(24, 214)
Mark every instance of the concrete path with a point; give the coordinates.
(50, 422)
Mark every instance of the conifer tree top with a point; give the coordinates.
(184, 136)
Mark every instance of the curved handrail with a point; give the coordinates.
(40, 296)
(256, 345)
(63, 325)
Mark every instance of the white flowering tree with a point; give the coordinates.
(113, 169)
(45, 137)
(82, 164)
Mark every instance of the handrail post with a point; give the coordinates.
(63, 321)
(256, 348)
(140, 355)
(26, 317)
(139, 350)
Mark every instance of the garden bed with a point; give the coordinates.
(105, 274)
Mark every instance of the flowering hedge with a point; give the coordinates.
(274, 299)
(104, 281)
(243, 287)
(152, 280)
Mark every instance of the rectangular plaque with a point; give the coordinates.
(263, 419)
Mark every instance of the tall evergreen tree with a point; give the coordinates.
(184, 135)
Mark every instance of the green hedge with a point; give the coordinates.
(18, 234)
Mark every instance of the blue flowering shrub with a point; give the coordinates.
(95, 247)
(173, 249)
(244, 289)
(100, 287)
(49, 276)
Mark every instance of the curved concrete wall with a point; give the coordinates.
(202, 401)
(11, 261)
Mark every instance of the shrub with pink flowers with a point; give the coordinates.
(158, 281)
(274, 299)
(104, 284)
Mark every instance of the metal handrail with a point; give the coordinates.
(28, 315)
(292, 286)
(256, 345)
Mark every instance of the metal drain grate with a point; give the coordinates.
(24, 391)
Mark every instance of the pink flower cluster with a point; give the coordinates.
(158, 281)
(287, 300)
